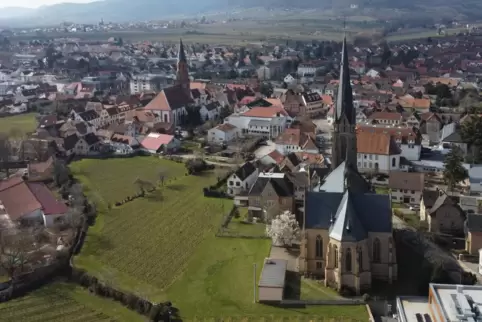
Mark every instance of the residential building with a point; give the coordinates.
(451, 137)
(148, 83)
(377, 152)
(386, 118)
(441, 212)
(293, 140)
(347, 231)
(223, 133)
(409, 140)
(210, 111)
(268, 122)
(406, 187)
(242, 179)
(445, 302)
(271, 194)
(475, 179)
(30, 202)
(156, 143)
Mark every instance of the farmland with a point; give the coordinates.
(64, 302)
(23, 123)
(163, 246)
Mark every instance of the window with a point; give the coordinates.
(370, 156)
(365, 156)
(319, 246)
(359, 165)
(335, 256)
(360, 259)
(394, 162)
(238, 184)
(376, 156)
(348, 260)
(376, 250)
(413, 191)
(319, 265)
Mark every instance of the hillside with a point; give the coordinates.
(143, 10)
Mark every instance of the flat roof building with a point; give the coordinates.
(445, 303)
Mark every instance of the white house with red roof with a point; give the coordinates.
(223, 133)
(30, 201)
(157, 143)
(268, 122)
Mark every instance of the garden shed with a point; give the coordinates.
(272, 282)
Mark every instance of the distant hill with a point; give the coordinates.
(143, 10)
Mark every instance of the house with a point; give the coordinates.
(223, 133)
(73, 144)
(293, 140)
(430, 124)
(271, 194)
(30, 202)
(408, 140)
(124, 144)
(390, 118)
(406, 187)
(266, 122)
(451, 137)
(377, 152)
(157, 143)
(242, 179)
(210, 111)
(290, 79)
(475, 179)
(441, 212)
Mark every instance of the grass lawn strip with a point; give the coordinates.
(25, 123)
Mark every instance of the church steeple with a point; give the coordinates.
(344, 123)
(344, 101)
(182, 75)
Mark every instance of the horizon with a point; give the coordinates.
(34, 4)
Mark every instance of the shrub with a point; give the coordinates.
(366, 297)
(131, 301)
(155, 313)
(236, 213)
(141, 307)
(118, 296)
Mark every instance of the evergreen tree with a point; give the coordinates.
(454, 171)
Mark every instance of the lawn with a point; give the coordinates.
(111, 180)
(163, 247)
(64, 302)
(24, 123)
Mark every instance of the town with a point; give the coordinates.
(302, 181)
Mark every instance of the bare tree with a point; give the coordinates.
(15, 247)
(143, 185)
(162, 176)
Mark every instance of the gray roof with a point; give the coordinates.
(274, 273)
(474, 223)
(344, 99)
(347, 226)
(335, 181)
(372, 211)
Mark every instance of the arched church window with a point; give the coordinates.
(319, 246)
(348, 260)
(376, 250)
(335, 256)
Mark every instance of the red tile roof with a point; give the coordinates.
(271, 111)
(376, 143)
(17, 198)
(50, 205)
(154, 141)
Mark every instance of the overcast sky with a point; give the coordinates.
(35, 3)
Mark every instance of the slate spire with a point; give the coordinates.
(344, 100)
(182, 54)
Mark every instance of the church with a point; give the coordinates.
(347, 229)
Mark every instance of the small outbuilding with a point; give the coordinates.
(272, 282)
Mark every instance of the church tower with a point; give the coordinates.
(344, 122)
(182, 75)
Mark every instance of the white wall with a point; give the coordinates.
(411, 152)
(398, 196)
(367, 162)
(217, 136)
(236, 185)
(49, 220)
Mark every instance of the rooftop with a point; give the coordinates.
(410, 306)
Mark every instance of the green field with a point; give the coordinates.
(64, 302)
(163, 247)
(23, 123)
